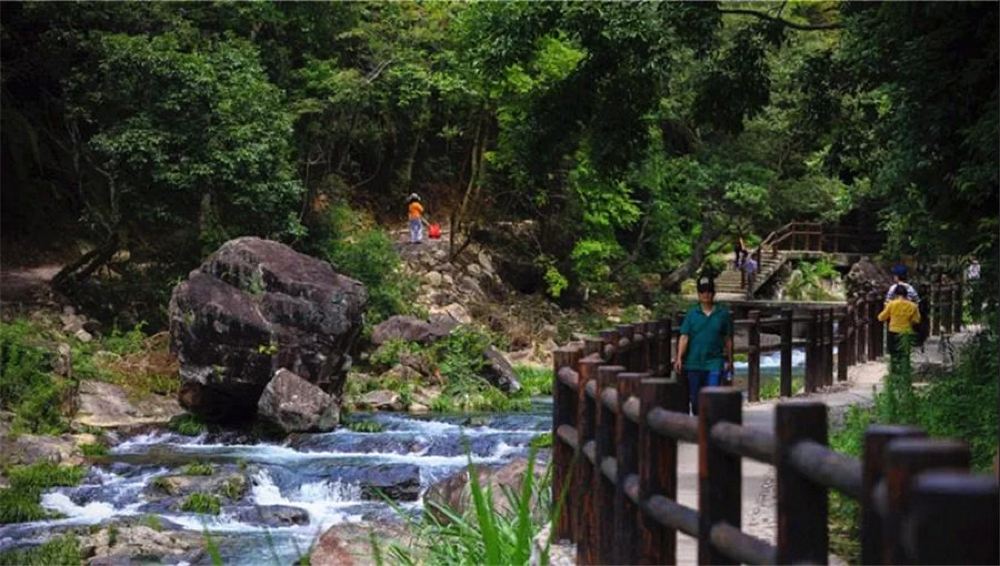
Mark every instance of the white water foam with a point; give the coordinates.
(89, 514)
(773, 360)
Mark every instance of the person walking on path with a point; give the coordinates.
(750, 269)
(705, 347)
(416, 211)
(899, 280)
(902, 314)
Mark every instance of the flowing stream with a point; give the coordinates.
(335, 477)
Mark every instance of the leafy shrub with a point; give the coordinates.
(364, 426)
(60, 551)
(20, 501)
(390, 353)
(771, 388)
(128, 342)
(205, 503)
(198, 469)
(358, 249)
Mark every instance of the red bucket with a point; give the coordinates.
(434, 231)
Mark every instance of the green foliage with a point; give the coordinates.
(127, 342)
(535, 381)
(95, 450)
(390, 353)
(771, 388)
(805, 282)
(486, 534)
(201, 503)
(28, 388)
(187, 424)
(198, 469)
(366, 253)
(234, 488)
(152, 521)
(60, 551)
(364, 426)
(20, 501)
(543, 440)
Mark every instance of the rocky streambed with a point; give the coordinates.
(275, 499)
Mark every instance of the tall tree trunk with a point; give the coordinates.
(671, 281)
(458, 218)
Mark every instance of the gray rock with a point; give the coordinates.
(141, 544)
(272, 515)
(381, 400)
(83, 336)
(474, 270)
(447, 280)
(433, 278)
(470, 285)
(255, 306)
(107, 405)
(499, 371)
(295, 405)
(232, 486)
(408, 328)
(401, 372)
(25, 449)
(486, 263)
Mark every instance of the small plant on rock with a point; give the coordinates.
(198, 469)
(205, 503)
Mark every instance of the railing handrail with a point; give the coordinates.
(623, 423)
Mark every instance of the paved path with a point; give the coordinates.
(759, 516)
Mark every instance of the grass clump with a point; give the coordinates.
(60, 551)
(204, 503)
(20, 501)
(94, 450)
(187, 424)
(771, 388)
(535, 381)
(487, 533)
(198, 469)
(234, 488)
(364, 426)
(152, 521)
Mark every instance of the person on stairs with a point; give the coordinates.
(705, 347)
(416, 211)
(903, 315)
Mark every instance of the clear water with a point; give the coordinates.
(323, 474)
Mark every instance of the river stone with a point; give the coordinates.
(433, 278)
(295, 405)
(403, 373)
(106, 405)
(141, 544)
(272, 515)
(397, 482)
(474, 270)
(255, 306)
(230, 485)
(25, 449)
(499, 372)
(381, 400)
(409, 329)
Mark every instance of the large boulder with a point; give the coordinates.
(410, 329)
(865, 276)
(295, 405)
(106, 405)
(253, 307)
(454, 493)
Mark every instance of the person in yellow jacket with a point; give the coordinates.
(902, 315)
(416, 211)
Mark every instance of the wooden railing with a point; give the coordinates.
(617, 420)
(817, 237)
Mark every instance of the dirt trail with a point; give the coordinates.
(27, 285)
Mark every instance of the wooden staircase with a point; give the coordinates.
(770, 262)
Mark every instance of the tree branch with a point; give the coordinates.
(784, 22)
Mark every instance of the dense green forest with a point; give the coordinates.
(637, 138)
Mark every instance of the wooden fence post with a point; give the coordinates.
(875, 350)
(604, 497)
(628, 358)
(959, 304)
(828, 347)
(786, 352)
(812, 352)
(719, 473)
(877, 437)
(564, 408)
(753, 357)
(627, 457)
(657, 471)
(862, 324)
(844, 344)
(935, 310)
(647, 331)
(904, 459)
(802, 504)
(946, 297)
(954, 519)
(667, 345)
(583, 471)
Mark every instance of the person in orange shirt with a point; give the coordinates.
(416, 211)
(902, 314)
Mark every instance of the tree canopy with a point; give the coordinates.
(637, 137)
